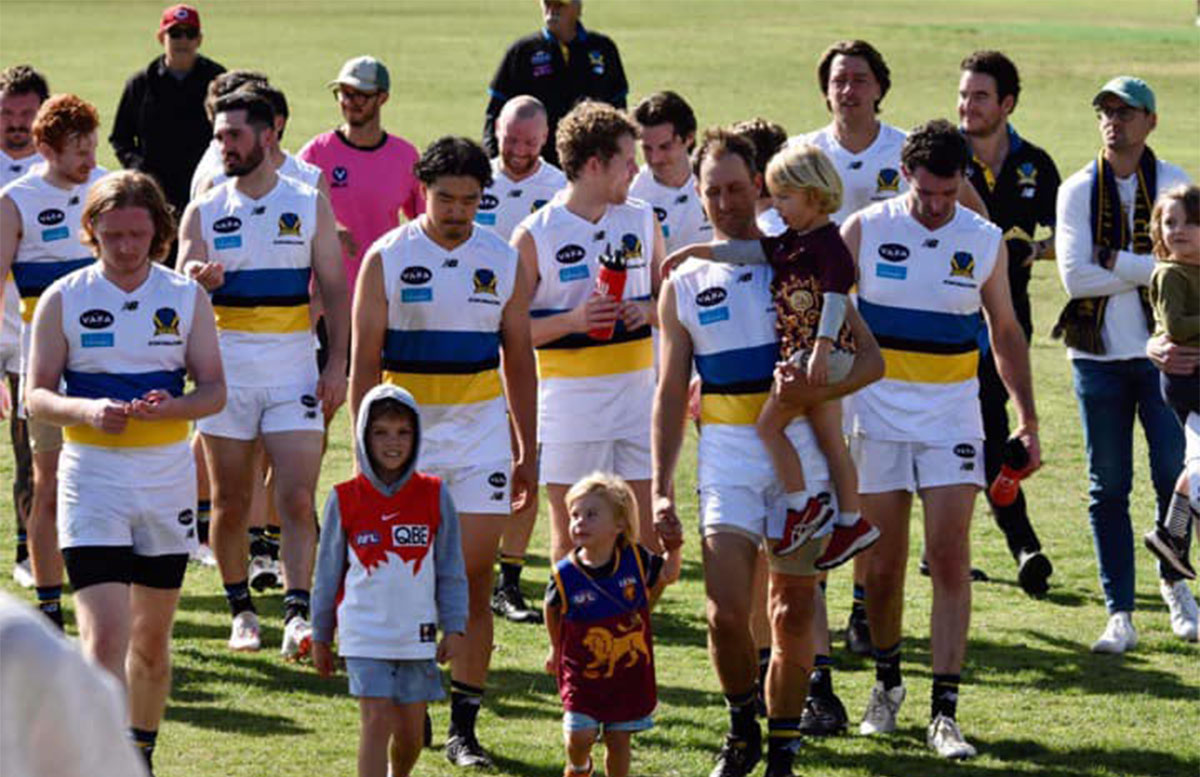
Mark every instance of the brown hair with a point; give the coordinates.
(855, 48)
(64, 116)
(129, 189)
(719, 141)
(619, 496)
(591, 129)
(1190, 197)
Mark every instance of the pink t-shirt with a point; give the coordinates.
(368, 187)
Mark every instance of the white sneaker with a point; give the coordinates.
(1183, 609)
(297, 639)
(202, 555)
(946, 739)
(880, 717)
(244, 635)
(23, 573)
(263, 573)
(1119, 635)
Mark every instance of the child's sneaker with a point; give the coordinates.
(263, 573)
(801, 525)
(846, 543)
(1170, 551)
(244, 635)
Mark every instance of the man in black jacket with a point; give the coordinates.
(559, 65)
(161, 127)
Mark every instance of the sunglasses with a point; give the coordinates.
(1122, 114)
(354, 98)
(179, 31)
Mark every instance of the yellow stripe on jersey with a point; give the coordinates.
(443, 389)
(137, 434)
(596, 360)
(734, 409)
(917, 367)
(266, 320)
(28, 305)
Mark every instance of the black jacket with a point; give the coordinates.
(535, 65)
(161, 127)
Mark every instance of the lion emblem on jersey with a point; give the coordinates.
(166, 322)
(888, 180)
(289, 225)
(609, 651)
(801, 300)
(962, 265)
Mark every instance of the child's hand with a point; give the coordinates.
(552, 662)
(669, 529)
(322, 658)
(450, 647)
(818, 363)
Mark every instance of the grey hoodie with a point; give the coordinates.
(332, 561)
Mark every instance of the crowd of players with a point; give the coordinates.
(481, 306)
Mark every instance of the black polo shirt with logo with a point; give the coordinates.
(1020, 198)
(560, 76)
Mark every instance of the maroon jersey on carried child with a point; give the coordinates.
(807, 266)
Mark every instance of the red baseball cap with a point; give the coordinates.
(179, 15)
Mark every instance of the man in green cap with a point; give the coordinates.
(1103, 248)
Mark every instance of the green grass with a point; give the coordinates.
(1035, 701)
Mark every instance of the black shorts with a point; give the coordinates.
(93, 564)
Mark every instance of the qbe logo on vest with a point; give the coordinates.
(410, 535)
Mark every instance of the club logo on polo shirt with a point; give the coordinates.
(1026, 174)
(596, 60)
(888, 180)
(339, 177)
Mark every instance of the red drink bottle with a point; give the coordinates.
(610, 281)
(1007, 485)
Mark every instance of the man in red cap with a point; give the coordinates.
(161, 127)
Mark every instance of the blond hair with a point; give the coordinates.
(1189, 197)
(619, 496)
(129, 189)
(806, 168)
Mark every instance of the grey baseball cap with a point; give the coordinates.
(365, 74)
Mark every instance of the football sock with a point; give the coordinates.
(295, 604)
(944, 697)
(465, 701)
(742, 712)
(510, 570)
(887, 666)
(238, 595)
(49, 599)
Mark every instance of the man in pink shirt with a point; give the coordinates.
(370, 172)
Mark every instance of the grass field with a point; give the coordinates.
(1034, 700)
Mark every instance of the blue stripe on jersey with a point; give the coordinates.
(279, 287)
(34, 277)
(921, 326)
(747, 367)
(431, 351)
(124, 387)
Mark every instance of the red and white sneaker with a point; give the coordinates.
(846, 543)
(801, 525)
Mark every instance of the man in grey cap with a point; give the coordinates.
(1103, 248)
(370, 172)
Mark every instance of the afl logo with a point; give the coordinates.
(570, 254)
(51, 217)
(488, 202)
(416, 275)
(227, 224)
(893, 252)
(714, 295)
(95, 319)
(497, 480)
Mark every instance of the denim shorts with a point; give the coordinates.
(578, 721)
(402, 681)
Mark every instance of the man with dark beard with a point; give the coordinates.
(1018, 182)
(255, 241)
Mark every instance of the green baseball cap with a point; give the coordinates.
(366, 74)
(1134, 92)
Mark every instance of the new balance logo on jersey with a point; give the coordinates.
(515, 193)
(855, 165)
(410, 535)
(450, 263)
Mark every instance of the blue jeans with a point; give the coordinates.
(1110, 394)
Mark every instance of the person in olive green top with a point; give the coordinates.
(1175, 297)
